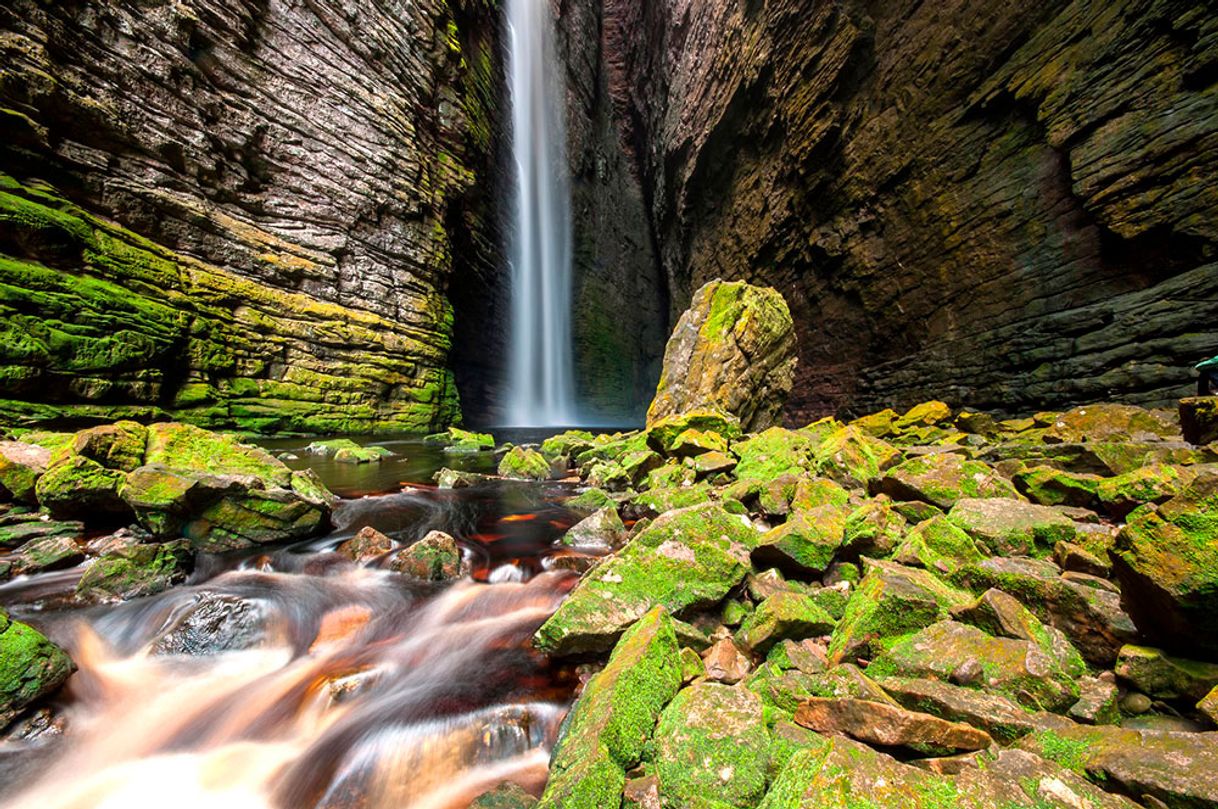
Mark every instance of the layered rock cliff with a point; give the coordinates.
(1006, 205)
(241, 213)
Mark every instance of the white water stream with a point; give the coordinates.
(541, 390)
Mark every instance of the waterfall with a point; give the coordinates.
(541, 391)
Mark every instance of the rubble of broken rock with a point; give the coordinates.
(920, 609)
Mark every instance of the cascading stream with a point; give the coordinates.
(541, 390)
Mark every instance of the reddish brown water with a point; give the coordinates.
(294, 678)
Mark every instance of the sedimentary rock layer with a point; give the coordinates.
(1002, 204)
(241, 213)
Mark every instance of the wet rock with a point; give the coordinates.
(435, 557)
(31, 667)
(48, 553)
(132, 570)
(891, 601)
(724, 662)
(457, 440)
(890, 726)
(613, 719)
(1179, 769)
(524, 464)
(589, 501)
(712, 740)
(1025, 671)
(942, 480)
(1166, 559)
(504, 796)
(1162, 676)
(1199, 419)
(366, 545)
(1001, 717)
(210, 624)
(255, 518)
(20, 466)
(734, 350)
(458, 478)
(602, 530)
(566, 445)
(686, 559)
(360, 455)
(17, 534)
(784, 616)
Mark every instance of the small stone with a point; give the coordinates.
(888, 725)
(366, 545)
(1097, 703)
(1136, 703)
(435, 557)
(725, 663)
(602, 530)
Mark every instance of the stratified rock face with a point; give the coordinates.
(732, 350)
(242, 212)
(997, 203)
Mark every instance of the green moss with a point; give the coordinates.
(30, 666)
(1069, 753)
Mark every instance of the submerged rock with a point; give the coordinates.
(134, 570)
(435, 557)
(734, 350)
(366, 545)
(31, 666)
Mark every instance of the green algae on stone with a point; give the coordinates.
(852, 457)
(665, 434)
(1010, 527)
(21, 463)
(187, 448)
(874, 529)
(1155, 483)
(806, 543)
(685, 559)
(524, 464)
(566, 445)
(711, 740)
(773, 453)
(1048, 486)
(78, 487)
(670, 498)
(942, 479)
(610, 724)
(937, 544)
(119, 446)
(435, 557)
(31, 666)
(134, 571)
(783, 616)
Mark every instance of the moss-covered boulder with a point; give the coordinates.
(783, 616)
(942, 479)
(665, 434)
(1155, 483)
(48, 553)
(1178, 770)
(937, 544)
(20, 465)
(1008, 527)
(711, 743)
(806, 543)
(1109, 422)
(435, 557)
(1003, 718)
(1160, 675)
(1022, 670)
(1048, 486)
(505, 796)
(135, 570)
(1166, 559)
(874, 529)
(890, 601)
(360, 455)
(521, 463)
(566, 445)
(1199, 419)
(120, 445)
(367, 544)
(879, 723)
(852, 456)
(773, 453)
(81, 487)
(612, 721)
(454, 439)
(686, 559)
(31, 667)
(732, 350)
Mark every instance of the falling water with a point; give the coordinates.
(540, 386)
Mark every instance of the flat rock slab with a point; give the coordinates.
(888, 725)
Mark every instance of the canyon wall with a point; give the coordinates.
(1010, 206)
(241, 213)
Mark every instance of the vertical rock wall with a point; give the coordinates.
(240, 212)
(1005, 205)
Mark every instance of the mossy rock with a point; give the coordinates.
(806, 543)
(1160, 675)
(853, 457)
(879, 424)
(1199, 419)
(186, 448)
(1048, 486)
(252, 518)
(118, 446)
(711, 742)
(80, 487)
(435, 557)
(48, 553)
(589, 501)
(937, 544)
(926, 414)
(774, 453)
(504, 796)
(784, 616)
(611, 723)
(1156, 483)
(890, 602)
(665, 434)
(361, 455)
(31, 666)
(524, 464)
(1008, 527)
(941, 479)
(670, 498)
(686, 559)
(874, 529)
(1110, 423)
(134, 571)
(21, 463)
(457, 440)
(566, 445)
(1166, 558)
